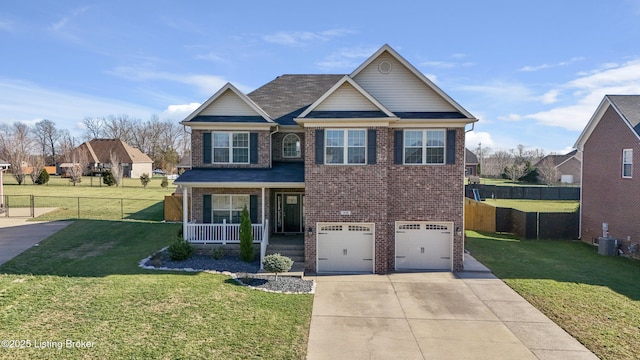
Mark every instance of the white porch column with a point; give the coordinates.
(263, 214)
(185, 211)
(1, 187)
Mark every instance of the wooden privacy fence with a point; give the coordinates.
(524, 192)
(173, 208)
(527, 225)
(479, 216)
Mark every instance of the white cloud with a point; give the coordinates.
(302, 38)
(548, 66)
(550, 97)
(346, 58)
(588, 91)
(510, 117)
(6, 24)
(179, 112)
(62, 23)
(28, 102)
(473, 138)
(212, 57)
(207, 84)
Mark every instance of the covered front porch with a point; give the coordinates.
(216, 196)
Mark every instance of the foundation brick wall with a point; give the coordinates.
(383, 193)
(606, 196)
(264, 144)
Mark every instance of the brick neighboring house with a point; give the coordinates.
(568, 165)
(610, 145)
(134, 162)
(470, 163)
(368, 167)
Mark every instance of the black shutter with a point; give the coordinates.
(451, 147)
(397, 146)
(206, 208)
(319, 146)
(206, 148)
(253, 208)
(371, 146)
(253, 148)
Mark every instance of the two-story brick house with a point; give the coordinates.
(369, 166)
(610, 196)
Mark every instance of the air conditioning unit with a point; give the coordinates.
(607, 246)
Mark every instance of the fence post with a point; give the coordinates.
(32, 203)
(121, 209)
(78, 207)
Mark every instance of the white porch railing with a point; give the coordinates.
(221, 233)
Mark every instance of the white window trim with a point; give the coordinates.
(299, 150)
(230, 147)
(230, 208)
(345, 147)
(424, 148)
(629, 162)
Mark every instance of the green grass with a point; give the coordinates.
(128, 201)
(83, 283)
(535, 205)
(594, 298)
(507, 182)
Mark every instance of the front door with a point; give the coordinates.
(291, 213)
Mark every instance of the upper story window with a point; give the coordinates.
(231, 147)
(345, 146)
(627, 163)
(291, 146)
(424, 146)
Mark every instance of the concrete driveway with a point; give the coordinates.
(470, 315)
(18, 234)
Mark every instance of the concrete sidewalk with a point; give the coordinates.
(438, 315)
(18, 234)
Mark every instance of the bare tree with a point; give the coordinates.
(78, 160)
(47, 136)
(94, 127)
(15, 147)
(37, 165)
(548, 172)
(116, 168)
(515, 171)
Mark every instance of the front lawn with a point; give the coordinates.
(84, 284)
(594, 298)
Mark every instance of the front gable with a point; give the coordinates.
(402, 88)
(228, 105)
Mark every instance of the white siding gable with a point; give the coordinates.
(228, 104)
(346, 98)
(399, 89)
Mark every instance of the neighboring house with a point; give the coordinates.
(568, 166)
(368, 166)
(4, 165)
(184, 163)
(470, 163)
(610, 197)
(134, 162)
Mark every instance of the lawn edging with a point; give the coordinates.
(234, 276)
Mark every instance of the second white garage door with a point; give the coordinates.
(345, 247)
(424, 245)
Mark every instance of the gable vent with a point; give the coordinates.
(384, 67)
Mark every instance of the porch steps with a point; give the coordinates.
(293, 251)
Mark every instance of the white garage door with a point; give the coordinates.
(424, 245)
(345, 247)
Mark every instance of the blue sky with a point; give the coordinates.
(533, 72)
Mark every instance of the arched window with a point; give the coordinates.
(291, 146)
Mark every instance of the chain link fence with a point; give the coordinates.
(63, 208)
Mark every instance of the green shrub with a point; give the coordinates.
(217, 252)
(180, 250)
(246, 236)
(43, 178)
(277, 263)
(164, 182)
(156, 260)
(108, 179)
(145, 179)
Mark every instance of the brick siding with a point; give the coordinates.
(606, 196)
(264, 144)
(276, 147)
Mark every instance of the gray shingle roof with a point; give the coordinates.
(470, 157)
(557, 159)
(281, 172)
(287, 96)
(629, 107)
